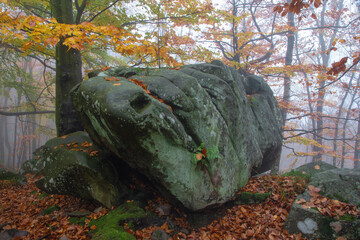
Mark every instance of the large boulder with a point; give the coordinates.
(315, 216)
(72, 165)
(197, 133)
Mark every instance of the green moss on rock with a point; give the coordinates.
(250, 198)
(49, 210)
(13, 177)
(109, 226)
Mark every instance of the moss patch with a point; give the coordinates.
(325, 229)
(49, 210)
(250, 198)
(108, 226)
(298, 174)
(337, 197)
(14, 178)
(76, 220)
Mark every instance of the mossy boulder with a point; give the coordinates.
(12, 177)
(157, 119)
(110, 226)
(340, 184)
(313, 168)
(72, 165)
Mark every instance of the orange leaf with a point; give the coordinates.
(93, 227)
(204, 152)
(300, 201)
(199, 156)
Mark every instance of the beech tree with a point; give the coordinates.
(72, 32)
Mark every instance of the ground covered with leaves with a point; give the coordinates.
(47, 216)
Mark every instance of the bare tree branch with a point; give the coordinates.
(96, 15)
(24, 113)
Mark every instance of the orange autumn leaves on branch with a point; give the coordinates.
(35, 33)
(295, 6)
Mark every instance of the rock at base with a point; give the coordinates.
(340, 184)
(72, 165)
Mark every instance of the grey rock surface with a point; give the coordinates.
(205, 106)
(340, 184)
(71, 165)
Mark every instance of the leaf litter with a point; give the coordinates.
(21, 208)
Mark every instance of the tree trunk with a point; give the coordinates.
(337, 121)
(288, 62)
(357, 147)
(68, 73)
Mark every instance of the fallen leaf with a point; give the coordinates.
(300, 201)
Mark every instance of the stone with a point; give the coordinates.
(160, 234)
(201, 108)
(10, 234)
(339, 184)
(72, 165)
(64, 237)
(79, 213)
(15, 178)
(164, 209)
(313, 168)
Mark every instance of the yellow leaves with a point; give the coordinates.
(26, 46)
(51, 41)
(31, 32)
(19, 36)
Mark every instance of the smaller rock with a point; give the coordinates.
(160, 234)
(164, 209)
(79, 214)
(64, 237)
(185, 231)
(10, 234)
(336, 226)
(334, 183)
(72, 165)
(13, 177)
(99, 209)
(308, 226)
(3, 225)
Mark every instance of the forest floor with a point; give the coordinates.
(47, 216)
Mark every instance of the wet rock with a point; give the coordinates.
(72, 165)
(340, 184)
(11, 234)
(160, 234)
(12, 177)
(197, 133)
